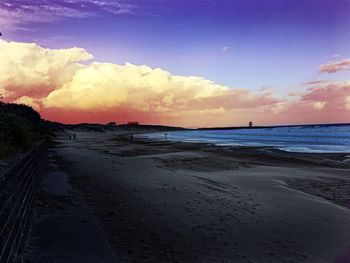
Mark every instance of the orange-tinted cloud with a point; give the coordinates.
(336, 66)
(315, 82)
(62, 89)
(328, 103)
(146, 94)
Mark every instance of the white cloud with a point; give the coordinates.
(348, 102)
(224, 49)
(21, 13)
(318, 105)
(27, 69)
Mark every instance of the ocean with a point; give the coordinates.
(305, 138)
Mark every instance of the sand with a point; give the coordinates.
(178, 202)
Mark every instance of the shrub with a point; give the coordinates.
(19, 128)
(21, 110)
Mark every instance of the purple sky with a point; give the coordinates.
(248, 44)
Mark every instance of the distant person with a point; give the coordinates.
(74, 136)
(131, 137)
(250, 124)
(166, 136)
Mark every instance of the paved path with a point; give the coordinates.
(64, 229)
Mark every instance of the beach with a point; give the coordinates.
(163, 201)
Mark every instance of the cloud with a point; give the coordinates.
(224, 49)
(30, 70)
(33, 102)
(19, 14)
(322, 104)
(151, 93)
(319, 105)
(315, 82)
(347, 102)
(55, 82)
(111, 6)
(336, 66)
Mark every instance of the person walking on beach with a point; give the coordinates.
(74, 136)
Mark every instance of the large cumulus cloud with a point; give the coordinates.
(151, 92)
(105, 86)
(63, 89)
(30, 70)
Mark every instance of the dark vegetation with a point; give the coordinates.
(20, 127)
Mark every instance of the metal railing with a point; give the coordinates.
(18, 187)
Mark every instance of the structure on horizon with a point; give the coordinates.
(133, 123)
(112, 124)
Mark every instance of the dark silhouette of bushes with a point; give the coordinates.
(23, 111)
(20, 128)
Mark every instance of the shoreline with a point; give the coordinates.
(295, 140)
(327, 159)
(270, 155)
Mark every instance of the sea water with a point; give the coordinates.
(306, 138)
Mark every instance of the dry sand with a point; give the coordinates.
(177, 202)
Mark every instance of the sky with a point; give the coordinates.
(186, 63)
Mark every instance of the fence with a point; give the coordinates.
(18, 187)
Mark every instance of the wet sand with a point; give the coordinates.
(178, 202)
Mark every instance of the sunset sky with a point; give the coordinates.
(187, 63)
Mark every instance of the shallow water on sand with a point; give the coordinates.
(309, 138)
